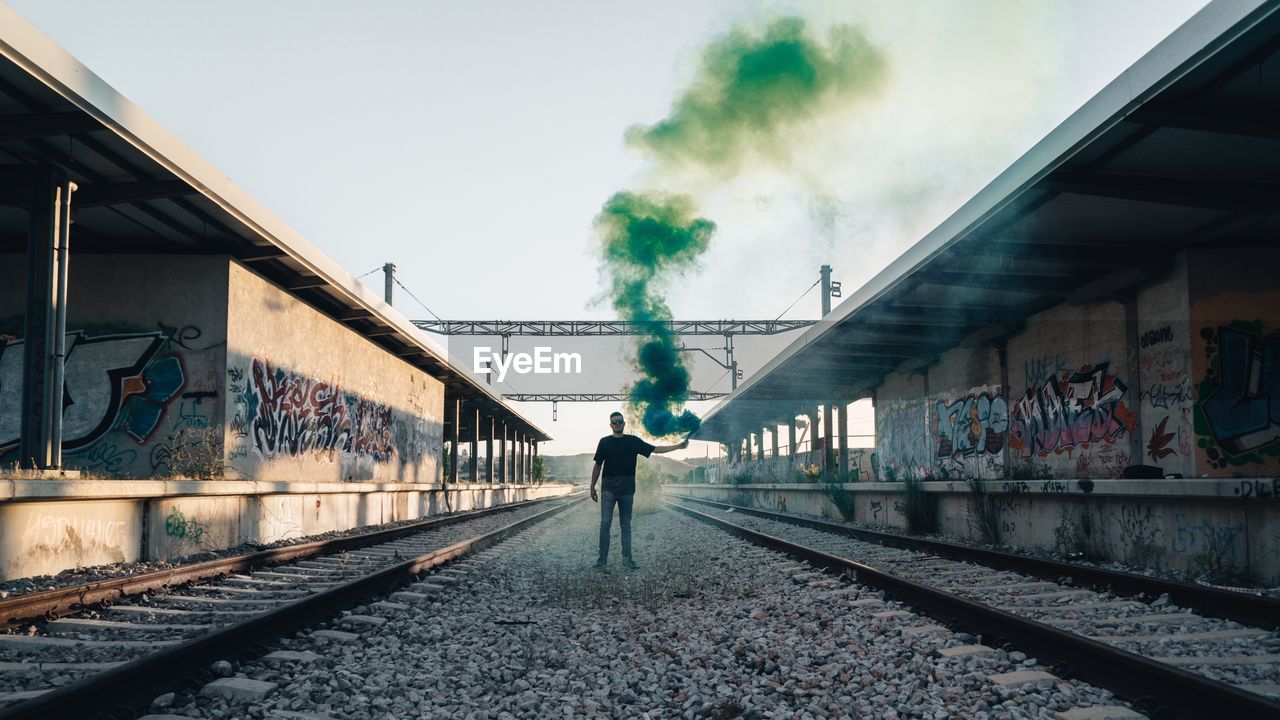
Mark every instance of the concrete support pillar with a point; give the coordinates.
(773, 433)
(828, 453)
(488, 452)
(535, 457)
(527, 462)
(791, 435)
(844, 436)
(813, 437)
(44, 349)
(520, 458)
(474, 465)
(455, 457)
(506, 469)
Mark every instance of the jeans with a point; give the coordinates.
(607, 499)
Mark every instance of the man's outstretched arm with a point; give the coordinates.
(595, 475)
(670, 448)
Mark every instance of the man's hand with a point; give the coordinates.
(594, 496)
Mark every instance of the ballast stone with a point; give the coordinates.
(1099, 712)
(239, 689)
(1018, 678)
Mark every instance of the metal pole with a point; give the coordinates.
(828, 453)
(733, 364)
(506, 468)
(524, 456)
(844, 437)
(488, 453)
(525, 462)
(457, 423)
(533, 444)
(40, 401)
(474, 465)
(825, 271)
(389, 280)
(62, 247)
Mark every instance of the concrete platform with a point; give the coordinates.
(114, 521)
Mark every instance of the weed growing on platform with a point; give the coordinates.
(190, 455)
(984, 512)
(845, 501)
(1030, 471)
(917, 506)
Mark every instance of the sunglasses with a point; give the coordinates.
(617, 422)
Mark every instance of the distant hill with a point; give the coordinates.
(577, 468)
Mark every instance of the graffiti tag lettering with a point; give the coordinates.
(1073, 409)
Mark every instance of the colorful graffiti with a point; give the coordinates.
(290, 414)
(974, 426)
(1165, 399)
(1069, 410)
(901, 443)
(119, 381)
(1238, 413)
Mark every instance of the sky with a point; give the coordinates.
(473, 144)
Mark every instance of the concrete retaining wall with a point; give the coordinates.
(49, 526)
(310, 398)
(1225, 529)
(146, 357)
(1183, 375)
(194, 366)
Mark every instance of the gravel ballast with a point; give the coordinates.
(708, 627)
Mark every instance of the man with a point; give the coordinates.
(616, 454)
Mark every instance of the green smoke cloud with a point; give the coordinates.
(752, 90)
(646, 240)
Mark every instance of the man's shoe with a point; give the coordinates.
(630, 564)
(602, 564)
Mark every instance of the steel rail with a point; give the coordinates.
(1243, 608)
(137, 682)
(50, 603)
(1152, 685)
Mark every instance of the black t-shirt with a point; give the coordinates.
(619, 457)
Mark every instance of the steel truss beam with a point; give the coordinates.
(610, 327)
(596, 397)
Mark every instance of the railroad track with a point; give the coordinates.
(1165, 659)
(113, 658)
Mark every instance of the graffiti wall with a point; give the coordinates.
(279, 413)
(1236, 364)
(902, 446)
(130, 401)
(310, 399)
(1081, 415)
(969, 433)
(1166, 398)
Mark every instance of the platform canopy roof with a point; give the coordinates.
(1180, 151)
(141, 190)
